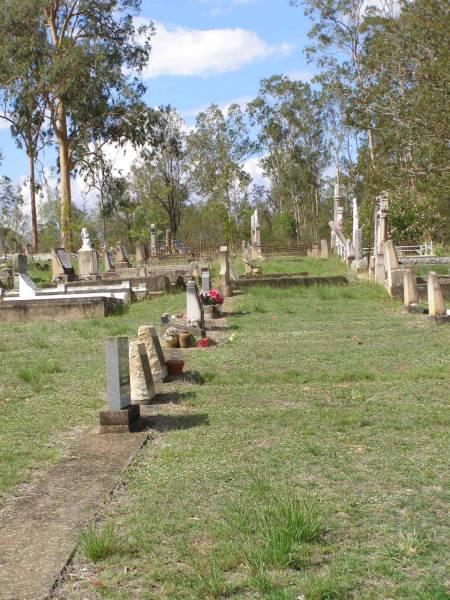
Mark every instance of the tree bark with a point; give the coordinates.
(65, 168)
(34, 227)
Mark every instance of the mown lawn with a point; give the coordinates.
(312, 463)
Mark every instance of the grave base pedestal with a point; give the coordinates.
(119, 421)
(122, 265)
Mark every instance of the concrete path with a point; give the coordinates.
(38, 530)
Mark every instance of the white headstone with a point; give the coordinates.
(206, 281)
(27, 287)
(194, 310)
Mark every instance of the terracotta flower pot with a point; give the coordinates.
(175, 367)
(185, 339)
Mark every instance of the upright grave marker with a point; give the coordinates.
(206, 280)
(87, 258)
(194, 308)
(122, 261)
(140, 255)
(147, 334)
(324, 254)
(225, 280)
(436, 304)
(410, 293)
(62, 269)
(27, 287)
(152, 239)
(120, 414)
(142, 389)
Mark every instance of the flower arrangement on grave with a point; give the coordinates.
(172, 337)
(171, 332)
(211, 298)
(203, 343)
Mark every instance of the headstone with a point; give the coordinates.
(410, 292)
(194, 308)
(120, 415)
(380, 235)
(165, 318)
(393, 273)
(86, 240)
(324, 254)
(169, 241)
(109, 266)
(153, 239)
(142, 388)
(122, 261)
(206, 281)
(315, 252)
(436, 305)
(27, 287)
(140, 255)
(20, 263)
(225, 282)
(337, 198)
(118, 372)
(1, 295)
(349, 251)
(148, 336)
(195, 271)
(88, 264)
(29, 250)
(6, 277)
(62, 269)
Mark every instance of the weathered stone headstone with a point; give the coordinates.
(62, 269)
(27, 287)
(380, 236)
(140, 255)
(120, 414)
(410, 292)
(225, 280)
(109, 266)
(393, 273)
(20, 263)
(436, 305)
(122, 261)
(148, 336)
(88, 264)
(194, 308)
(142, 388)
(324, 249)
(195, 270)
(206, 280)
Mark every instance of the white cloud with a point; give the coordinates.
(203, 52)
(254, 169)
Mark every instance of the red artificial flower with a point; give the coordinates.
(203, 343)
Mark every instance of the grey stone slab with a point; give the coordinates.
(38, 530)
(118, 372)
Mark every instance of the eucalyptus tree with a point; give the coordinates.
(219, 147)
(94, 52)
(289, 118)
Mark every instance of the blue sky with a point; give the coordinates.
(208, 51)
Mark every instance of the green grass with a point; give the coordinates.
(308, 461)
(52, 380)
(98, 545)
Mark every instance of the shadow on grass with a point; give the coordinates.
(163, 423)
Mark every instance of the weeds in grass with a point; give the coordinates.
(326, 586)
(98, 545)
(259, 307)
(272, 526)
(32, 376)
(407, 546)
(209, 580)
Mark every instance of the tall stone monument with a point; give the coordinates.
(153, 250)
(169, 247)
(225, 279)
